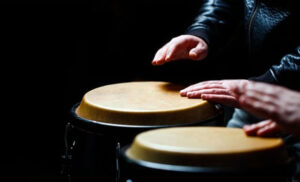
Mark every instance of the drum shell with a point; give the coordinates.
(143, 171)
(95, 154)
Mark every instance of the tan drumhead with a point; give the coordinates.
(143, 103)
(206, 146)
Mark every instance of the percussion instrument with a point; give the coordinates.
(108, 117)
(203, 154)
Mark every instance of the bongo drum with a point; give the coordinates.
(203, 154)
(112, 115)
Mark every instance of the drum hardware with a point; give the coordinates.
(69, 143)
(118, 152)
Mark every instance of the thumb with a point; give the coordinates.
(199, 52)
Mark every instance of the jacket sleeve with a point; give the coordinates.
(216, 19)
(286, 74)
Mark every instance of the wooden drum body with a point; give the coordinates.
(110, 116)
(203, 154)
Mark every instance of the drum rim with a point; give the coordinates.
(197, 169)
(220, 112)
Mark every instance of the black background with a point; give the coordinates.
(52, 52)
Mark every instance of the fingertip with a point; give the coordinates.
(193, 55)
(155, 64)
(159, 62)
(249, 133)
(158, 58)
(198, 53)
(249, 130)
(204, 96)
(168, 58)
(155, 59)
(247, 126)
(246, 129)
(182, 92)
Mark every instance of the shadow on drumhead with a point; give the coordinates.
(172, 87)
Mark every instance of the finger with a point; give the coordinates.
(208, 82)
(192, 86)
(200, 87)
(251, 130)
(177, 50)
(269, 130)
(199, 52)
(222, 99)
(208, 91)
(160, 56)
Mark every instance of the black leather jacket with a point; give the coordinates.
(270, 32)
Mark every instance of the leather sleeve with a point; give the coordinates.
(287, 73)
(215, 20)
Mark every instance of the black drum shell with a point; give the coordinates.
(95, 154)
(143, 171)
(110, 129)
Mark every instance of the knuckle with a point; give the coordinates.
(272, 110)
(256, 104)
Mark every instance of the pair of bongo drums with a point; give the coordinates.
(145, 131)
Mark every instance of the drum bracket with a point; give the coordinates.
(69, 142)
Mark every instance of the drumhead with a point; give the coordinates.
(147, 165)
(143, 103)
(206, 147)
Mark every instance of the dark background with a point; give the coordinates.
(52, 52)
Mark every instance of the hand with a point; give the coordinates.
(217, 91)
(181, 47)
(266, 128)
(269, 101)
